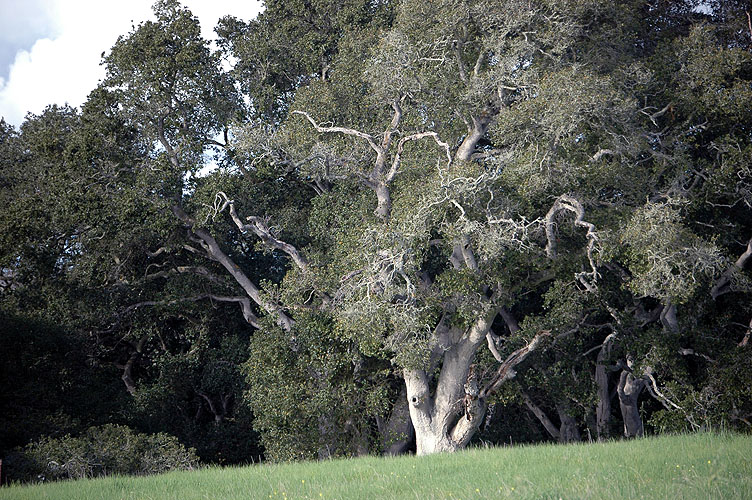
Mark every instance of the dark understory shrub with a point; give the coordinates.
(100, 451)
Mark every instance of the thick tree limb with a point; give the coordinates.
(261, 229)
(475, 133)
(401, 144)
(379, 178)
(541, 416)
(342, 130)
(601, 152)
(571, 204)
(509, 320)
(506, 369)
(127, 377)
(629, 389)
(723, 283)
(603, 409)
(396, 119)
(492, 339)
(244, 302)
(216, 253)
(156, 253)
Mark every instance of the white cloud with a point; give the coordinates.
(65, 68)
(21, 24)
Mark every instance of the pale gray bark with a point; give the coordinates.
(571, 204)
(215, 252)
(475, 133)
(552, 430)
(448, 420)
(723, 284)
(380, 177)
(629, 390)
(260, 228)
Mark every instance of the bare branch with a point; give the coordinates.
(506, 369)
(653, 388)
(259, 227)
(342, 130)
(509, 320)
(691, 352)
(653, 117)
(541, 416)
(396, 119)
(401, 144)
(156, 253)
(244, 303)
(601, 152)
(492, 339)
(723, 284)
(569, 203)
(216, 253)
(245, 306)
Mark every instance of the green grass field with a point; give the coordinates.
(676, 467)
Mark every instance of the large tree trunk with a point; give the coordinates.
(629, 390)
(430, 435)
(384, 201)
(435, 419)
(448, 420)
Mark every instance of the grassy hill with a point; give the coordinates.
(695, 466)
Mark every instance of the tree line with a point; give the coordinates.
(351, 227)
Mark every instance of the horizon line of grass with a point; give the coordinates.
(688, 466)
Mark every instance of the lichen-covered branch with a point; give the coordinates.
(261, 229)
(571, 204)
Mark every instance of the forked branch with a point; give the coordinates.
(342, 130)
(259, 227)
(506, 371)
(571, 204)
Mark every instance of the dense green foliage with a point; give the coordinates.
(667, 467)
(101, 451)
(358, 227)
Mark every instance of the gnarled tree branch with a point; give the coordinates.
(571, 204)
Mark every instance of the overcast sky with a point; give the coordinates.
(50, 49)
